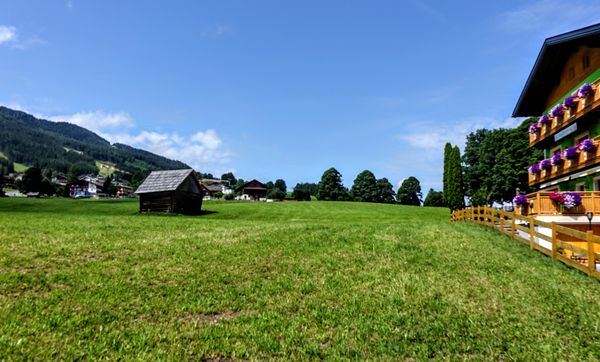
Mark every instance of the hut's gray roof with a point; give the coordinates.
(159, 181)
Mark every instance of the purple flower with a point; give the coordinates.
(545, 164)
(534, 169)
(571, 199)
(520, 200)
(556, 159)
(570, 102)
(544, 120)
(558, 110)
(534, 128)
(584, 90)
(570, 153)
(587, 145)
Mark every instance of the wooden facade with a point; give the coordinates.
(565, 63)
(175, 191)
(254, 189)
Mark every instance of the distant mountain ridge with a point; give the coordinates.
(57, 146)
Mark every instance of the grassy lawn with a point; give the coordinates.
(94, 279)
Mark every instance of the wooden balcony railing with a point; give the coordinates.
(581, 161)
(539, 203)
(584, 106)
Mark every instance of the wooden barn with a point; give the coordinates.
(174, 191)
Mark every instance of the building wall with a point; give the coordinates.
(574, 73)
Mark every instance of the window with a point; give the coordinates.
(580, 186)
(596, 183)
(585, 61)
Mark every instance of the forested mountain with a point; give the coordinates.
(58, 146)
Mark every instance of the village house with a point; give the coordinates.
(253, 190)
(562, 92)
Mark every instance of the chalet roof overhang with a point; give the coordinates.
(546, 71)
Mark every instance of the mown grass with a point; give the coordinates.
(94, 279)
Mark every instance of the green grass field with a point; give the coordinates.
(94, 279)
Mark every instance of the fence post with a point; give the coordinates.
(479, 214)
(492, 218)
(512, 227)
(554, 242)
(591, 252)
(531, 232)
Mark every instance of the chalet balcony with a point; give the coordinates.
(540, 204)
(570, 116)
(581, 161)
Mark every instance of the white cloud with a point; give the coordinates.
(551, 17)
(97, 121)
(202, 150)
(7, 34)
(432, 136)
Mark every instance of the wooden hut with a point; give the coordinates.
(174, 191)
(254, 189)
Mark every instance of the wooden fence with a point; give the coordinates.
(575, 248)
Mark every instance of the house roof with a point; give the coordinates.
(254, 185)
(547, 68)
(159, 181)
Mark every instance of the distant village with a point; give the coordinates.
(15, 184)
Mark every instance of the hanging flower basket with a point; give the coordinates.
(520, 200)
(556, 159)
(570, 102)
(570, 153)
(534, 128)
(544, 120)
(545, 165)
(558, 111)
(534, 169)
(585, 90)
(587, 145)
(566, 199)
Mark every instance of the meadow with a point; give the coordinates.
(85, 279)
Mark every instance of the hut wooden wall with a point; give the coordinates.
(156, 201)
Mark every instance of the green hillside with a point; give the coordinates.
(291, 281)
(27, 140)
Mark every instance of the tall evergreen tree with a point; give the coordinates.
(447, 152)
(331, 187)
(364, 188)
(32, 180)
(455, 196)
(409, 192)
(385, 191)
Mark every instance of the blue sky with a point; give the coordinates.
(280, 89)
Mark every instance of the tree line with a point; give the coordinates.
(493, 166)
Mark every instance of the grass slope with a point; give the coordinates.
(93, 279)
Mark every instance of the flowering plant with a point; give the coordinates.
(567, 199)
(534, 128)
(570, 102)
(544, 120)
(545, 164)
(520, 200)
(584, 90)
(558, 110)
(535, 168)
(556, 158)
(570, 153)
(587, 145)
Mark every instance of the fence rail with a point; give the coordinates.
(575, 248)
